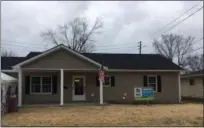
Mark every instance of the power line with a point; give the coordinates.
(116, 44)
(184, 19)
(174, 20)
(118, 47)
(14, 43)
(28, 47)
(126, 43)
(17, 45)
(193, 51)
(180, 22)
(138, 46)
(196, 49)
(10, 42)
(198, 40)
(22, 46)
(114, 48)
(11, 49)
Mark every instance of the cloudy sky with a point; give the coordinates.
(125, 23)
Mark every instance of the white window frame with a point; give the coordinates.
(152, 83)
(41, 85)
(107, 85)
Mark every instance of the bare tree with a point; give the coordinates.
(184, 47)
(166, 46)
(6, 53)
(195, 62)
(77, 34)
(172, 45)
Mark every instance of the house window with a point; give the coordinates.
(107, 81)
(191, 81)
(35, 85)
(152, 82)
(42, 84)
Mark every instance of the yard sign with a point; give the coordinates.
(143, 94)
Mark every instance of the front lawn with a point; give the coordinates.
(111, 115)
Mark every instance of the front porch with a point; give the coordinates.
(58, 87)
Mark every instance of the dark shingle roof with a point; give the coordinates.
(32, 54)
(133, 61)
(7, 62)
(112, 61)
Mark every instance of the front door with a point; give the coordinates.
(78, 92)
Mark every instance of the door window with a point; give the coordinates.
(79, 86)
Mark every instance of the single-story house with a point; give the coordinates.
(192, 84)
(61, 75)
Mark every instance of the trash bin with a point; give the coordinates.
(12, 104)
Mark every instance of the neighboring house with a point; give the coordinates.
(192, 84)
(60, 75)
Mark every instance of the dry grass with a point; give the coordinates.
(112, 115)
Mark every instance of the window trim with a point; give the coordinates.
(107, 85)
(40, 85)
(153, 83)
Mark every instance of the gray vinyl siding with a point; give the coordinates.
(60, 59)
(195, 90)
(124, 83)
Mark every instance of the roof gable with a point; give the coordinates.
(31, 59)
(60, 59)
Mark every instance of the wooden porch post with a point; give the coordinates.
(61, 87)
(179, 87)
(20, 88)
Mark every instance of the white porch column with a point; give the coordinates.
(20, 87)
(61, 87)
(179, 87)
(101, 91)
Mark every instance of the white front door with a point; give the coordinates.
(78, 93)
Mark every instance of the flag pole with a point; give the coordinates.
(101, 78)
(101, 92)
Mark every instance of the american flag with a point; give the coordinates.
(101, 73)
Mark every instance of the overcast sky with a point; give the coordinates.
(125, 23)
